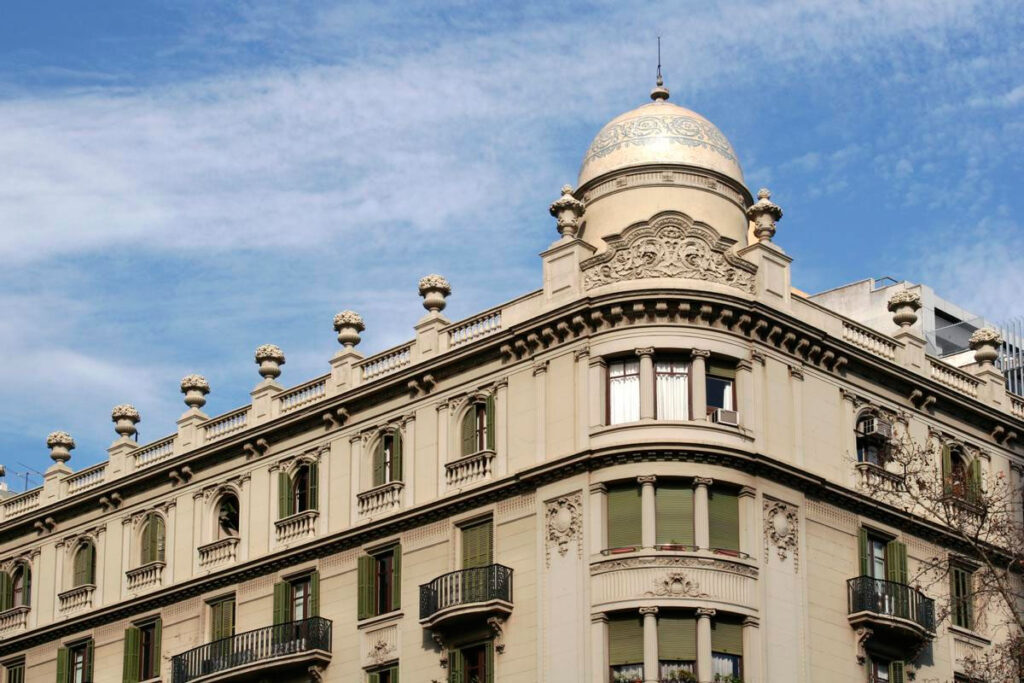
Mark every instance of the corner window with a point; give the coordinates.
(623, 391)
(672, 389)
(724, 520)
(379, 580)
(873, 437)
(227, 516)
(299, 491)
(720, 387)
(387, 458)
(152, 540)
(84, 565)
(478, 427)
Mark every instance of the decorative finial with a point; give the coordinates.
(60, 445)
(434, 289)
(986, 343)
(348, 324)
(125, 417)
(270, 358)
(660, 92)
(904, 305)
(764, 214)
(195, 388)
(567, 209)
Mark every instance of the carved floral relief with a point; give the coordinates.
(781, 525)
(563, 521)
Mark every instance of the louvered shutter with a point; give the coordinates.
(314, 486)
(625, 642)
(489, 662)
(897, 672)
(365, 587)
(146, 541)
(974, 480)
(284, 495)
(396, 457)
(947, 470)
(896, 562)
(456, 666)
(26, 596)
(158, 634)
(88, 661)
(469, 432)
(130, 671)
(624, 516)
(378, 462)
(862, 549)
(727, 637)
(282, 602)
(394, 674)
(674, 513)
(677, 638)
(62, 665)
(396, 578)
(159, 538)
(314, 594)
(6, 591)
(724, 518)
(373, 677)
(477, 545)
(490, 422)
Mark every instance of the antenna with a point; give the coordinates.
(660, 92)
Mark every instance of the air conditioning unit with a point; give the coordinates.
(877, 427)
(726, 417)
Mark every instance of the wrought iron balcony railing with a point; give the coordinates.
(253, 647)
(466, 587)
(891, 599)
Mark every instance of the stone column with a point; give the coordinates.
(599, 647)
(745, 392)
(101, 566)
(199, 536)
(58, 579)
(598, 391)
(704, 615)
(170, 541)
(126, 553)
(582, 357)
(698, 388)
(244, 524)
(748, 521)
(650, 615)
(540, 395)
(355, 484)
(273, 471)
(701, 520)
(646, 382)
(796, 374)
(648, 513)
(760, 404)
(409, 460)
(443, 446)
(501, 427)
(598, 517)
(751, 650)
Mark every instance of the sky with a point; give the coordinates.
(182, 181)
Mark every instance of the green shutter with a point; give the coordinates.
(223, 621)
(26, 596)
(674, 513)
(624, 516)
(974, 480)
(477, 545)
(394, 674)
(396, 458)
(365, 580)
(158, 634)
(314, 594)
(6, 591)
(677, 638)
(373, 677)
(284, 495)
(159, 539)
(62, 665)
(490, 422)
(378, 462)
(314, 486)
(961, 597)
(724, 518)
(897, 670)
(146, 541)
(947, 470)
(396, 578)
(862, 550)
(469, 431)
(489, 662)
(727, 637)
(896, 562)
(88, 661)
(456, 666)
(625, 641)
(130, 671)
(282, 600)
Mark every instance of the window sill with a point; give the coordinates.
(387, 617)
(973, 636)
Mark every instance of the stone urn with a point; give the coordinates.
(904, 305)
(434, 289)
(567, 210)
(125, 417)
(195, 388)
(348, 324)
(985, 343)
(60, 444)
(270, 358)
(764, 213)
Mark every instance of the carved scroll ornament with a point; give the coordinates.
(564, 524)
(781, 523)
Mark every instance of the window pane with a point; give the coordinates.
(725, 665)
(719, 392)
(672, 390)
(623, 392)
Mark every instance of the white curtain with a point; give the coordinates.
(672, 390)
(624, 392)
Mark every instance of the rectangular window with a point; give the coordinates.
(674, 514)
(626, 648)
(74, 663)
(15, 672)
(386, 675)
(726, 649)
(724, 520)
(876, 557)
(623, 391)
(624, 516)
(677, 646)
(379, 582)
(672, 389)
(961, 592)
(719, 384)
(299, 599)
(222, 618)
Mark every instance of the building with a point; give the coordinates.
(645, 470)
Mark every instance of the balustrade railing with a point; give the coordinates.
(465, 587)
(147, 576)
(86, 479)
(1017, 405)
(869, 340)
(387, 362)
(78, 598)
(303, 394)
(954, 378)
(381, 499)
(891, 599)
(154, 453)
(14, 620)
(220, 427)
(295, 526)
(223, 551)
(475, 328)
(21, 504)
(469, 469)
(265, 644)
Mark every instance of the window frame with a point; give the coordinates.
(609, 364)
(12, 666)
(687, 374)
(148, 651)
(79, 651)
(220, 529)
(710, 409)
(21, 573)
(89, 579)
(961, 612)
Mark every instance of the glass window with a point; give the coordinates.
(383, 577)
(300, 590)
(15, 672)
(78, 658)
(477, 427)
(719, 393)
(20, 586)
(227, 516)
(149, 657)
(672, 389)
(726, 667)
(961, 592)
(879, 671)
(623, 391)
(475, 659)
(300, 488)
(876, 558)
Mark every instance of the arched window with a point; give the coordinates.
(873, 438)
(227, 516)
(478, 427)
(298, 492)
(152, 539)
(961, 477)
(84, 565)
(387, 459)
(21, 585)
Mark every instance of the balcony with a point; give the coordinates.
(149, 575)
(76, 599)
(381, 500)
(899, 617)
(297, 527)
(469, 469)
(467, 594)
(224, 551)
(14, 620)
(259, 654)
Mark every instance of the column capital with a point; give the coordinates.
(752, 622)
(706, 612)
(645, 351)
(748, 492)
(598, 488)
(598, 361)
(644, 611)
(703, 481)
(700, 353)
(646, 479)
(757, 357)
(599, 618)
(581, 353)
(744, 366)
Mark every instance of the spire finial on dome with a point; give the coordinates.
(660, 92)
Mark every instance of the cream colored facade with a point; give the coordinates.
(663, 254)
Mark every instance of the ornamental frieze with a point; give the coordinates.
(670, 245)
(673, 561)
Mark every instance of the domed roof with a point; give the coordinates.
(659, 133)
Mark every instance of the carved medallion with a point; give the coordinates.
(677, 585)
(563, 520)
(781, 523)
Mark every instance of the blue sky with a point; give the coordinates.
(183, 181)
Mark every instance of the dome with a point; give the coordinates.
(659, 133)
